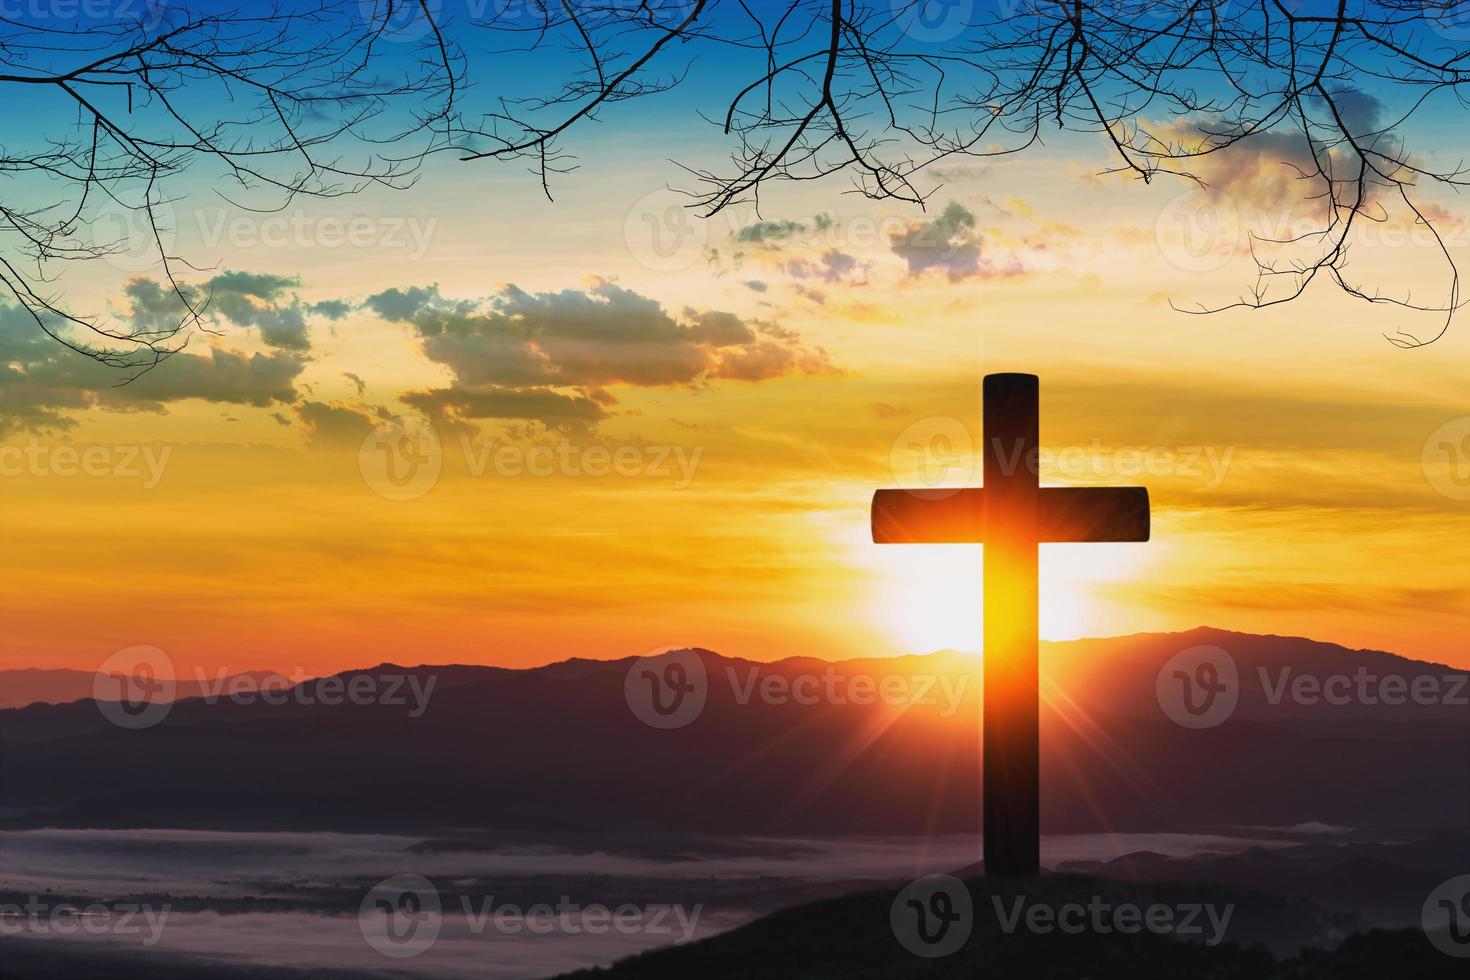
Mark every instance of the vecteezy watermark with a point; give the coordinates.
(667, 688)
(405, 22)
(1446, 917)
(402, 917)
(134, 688)
(43, 918)
(1201, 230)
(132, 234)
(933, 916)
(1188, 920)
(1450, 19)
(933, 21)
(831, 686)
(401, 458)
(670, 688)
(663, 234)
(412, 20)
(1364, 686)
(932, 454)
(1201, 687)
(143, 461)
(1208, 464)
(407, 234)
(389, 689)
(564, 458)
(137, 687)
(830, 233)
(143, 13)
(1446, 458)
(1198, 687)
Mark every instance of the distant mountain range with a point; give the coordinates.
(799, 746)
(32, 685)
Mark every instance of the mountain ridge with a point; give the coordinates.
(518, 748)
(83, 679)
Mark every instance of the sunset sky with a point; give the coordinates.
(764, 374)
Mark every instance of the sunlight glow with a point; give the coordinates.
(928, 597)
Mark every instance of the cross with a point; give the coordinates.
(1011, 515)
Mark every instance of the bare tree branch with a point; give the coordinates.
(266, 106)
(881, 90)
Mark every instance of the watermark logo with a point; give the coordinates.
(144, 462)
(363, 689)
(569, 918)
(134, 688)
(667, 690)
(128, 919)
(1446, 917)
(933, 21)
(1446, 458)
(563, 458)
(408, 235)
(670, 689)
(1450, 20)
(144, 14)
(148, 13)
(933, 916)
(930, 453)
(401, 917)
(1104, 918)
(943, 691)
(401, 21)
(1199, 687)
(663, 234)
(1207, 464)
(401, 458)
(1364, 687)
(133, 236)
(1199, 231)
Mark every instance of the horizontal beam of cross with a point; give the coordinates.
(1085, 514)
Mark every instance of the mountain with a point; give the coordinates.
(33, 685)
(19, 688)
(1375, 883)
(854, 938)
(800, 746)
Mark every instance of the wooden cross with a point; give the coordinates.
(1011, 515)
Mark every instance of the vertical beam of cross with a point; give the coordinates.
(1011, 515)
(1011, 746)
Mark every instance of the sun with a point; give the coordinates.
(928, 597)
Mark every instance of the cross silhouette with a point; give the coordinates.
(1011, 514)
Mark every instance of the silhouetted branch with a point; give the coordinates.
(266, 106)
(873, 89)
